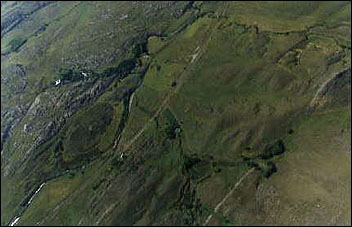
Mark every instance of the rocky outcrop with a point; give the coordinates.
(68, 106)
(15, 17)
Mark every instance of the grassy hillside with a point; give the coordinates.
(176, 113)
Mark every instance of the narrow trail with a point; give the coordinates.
(14, 221)
(52, 213)
(17, 218)
(199, 52)
(323, 85)
(228, 195)
(318, 93)
(107, 211)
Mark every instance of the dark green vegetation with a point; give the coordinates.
(175, 113)
(15, 44)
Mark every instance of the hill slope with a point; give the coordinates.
(175, 113)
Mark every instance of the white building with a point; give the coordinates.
(57, 82)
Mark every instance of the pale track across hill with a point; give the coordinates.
(227, 196)
(200, 50)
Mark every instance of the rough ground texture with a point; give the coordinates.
(175, 113)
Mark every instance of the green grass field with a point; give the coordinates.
(181, 101)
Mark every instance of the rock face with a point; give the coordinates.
(68, 106)
(10, 20)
